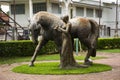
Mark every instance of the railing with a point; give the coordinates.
(12, 19)
(8, 23)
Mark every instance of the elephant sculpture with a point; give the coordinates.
(44, 23)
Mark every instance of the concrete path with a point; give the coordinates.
(112, 59)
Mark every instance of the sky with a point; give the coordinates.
(6, 8)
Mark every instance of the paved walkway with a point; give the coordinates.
(112, 59)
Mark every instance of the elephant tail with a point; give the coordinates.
(95, 27)
(94, 36)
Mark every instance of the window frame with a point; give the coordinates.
(80, 8)
(58, 11)
(39, 7)
(97, 13)
(19, 9)
(88, 12)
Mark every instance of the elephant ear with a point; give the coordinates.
(65, 18)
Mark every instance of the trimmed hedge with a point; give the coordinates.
(26, 47)
(104, 43)
(16, 48)
(108, 43)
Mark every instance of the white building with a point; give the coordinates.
(25, 9)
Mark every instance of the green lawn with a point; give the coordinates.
(10, 60)
(110, 50)
(53, 68)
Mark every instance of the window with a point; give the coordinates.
(98, 13)
(108, 31)
(39, 7)
(89, 12)
(79, 11)
(19, 9)
(56, 8)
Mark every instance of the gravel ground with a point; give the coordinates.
(112, 59)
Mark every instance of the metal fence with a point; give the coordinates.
(108, 30)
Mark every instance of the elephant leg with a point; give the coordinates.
(90, 47)
(41, 43)
(93, 45)
(87, 60)
(91, 51)
(59, 45)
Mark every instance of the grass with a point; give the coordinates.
(110, 50)
(53, 69)
(10, 60)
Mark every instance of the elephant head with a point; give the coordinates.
(43, 23)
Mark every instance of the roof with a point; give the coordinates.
(4, 2)
(90, 3)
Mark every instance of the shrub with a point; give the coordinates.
(23, 48)
(104, 43)
(108, 43)
(26, 47)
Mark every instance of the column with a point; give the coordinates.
(30, 9)
(67, 10)
(67, 3)
(85, 12)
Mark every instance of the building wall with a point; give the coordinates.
(108, 15)
(22, 19)
(109, 18)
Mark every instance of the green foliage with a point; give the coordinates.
(104, 43)
(14, 59)
(16, 48)
(23, 48)
(110, 50)
(108, 43)
(27, 48)
(53, 68)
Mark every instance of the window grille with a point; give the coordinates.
(98, 13)
(19, 9)
(89, 12)
(56, 8)
(79, 11)
(39, 7)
